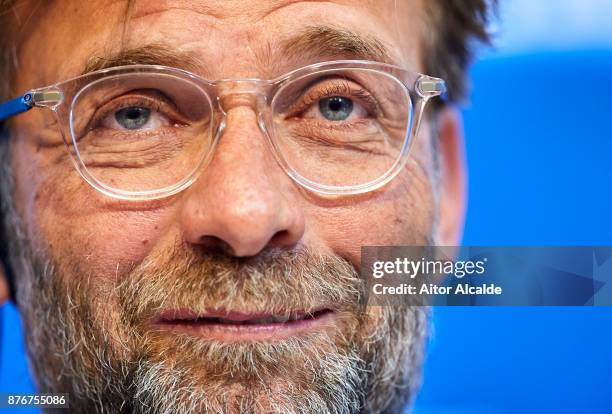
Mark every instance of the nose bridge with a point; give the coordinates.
(258, 211)
(242, 92)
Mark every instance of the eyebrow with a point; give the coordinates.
(312, 44)
(328, 41)
(150, 54)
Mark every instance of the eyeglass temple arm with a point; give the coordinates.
(28, 101)
(429, 87)
(16, 106)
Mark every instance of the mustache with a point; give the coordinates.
(276, 281)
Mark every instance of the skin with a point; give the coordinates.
(262, 207)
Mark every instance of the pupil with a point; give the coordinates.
(336, 108)
(335, 104)
(132, 117)
(133, 113)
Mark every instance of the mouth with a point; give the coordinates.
(233, 326)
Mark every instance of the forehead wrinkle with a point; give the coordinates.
(221, 9)
(284, 3)
(312, 45)
(271, 56)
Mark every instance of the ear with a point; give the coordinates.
(453, 177)
(4, 287)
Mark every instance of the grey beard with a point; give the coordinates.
(71, 351)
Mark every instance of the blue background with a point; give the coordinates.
(539, 150)
(539, 147)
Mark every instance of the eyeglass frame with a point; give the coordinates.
(417, 85)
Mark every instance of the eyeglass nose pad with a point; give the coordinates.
(255, 99)
(228, 102)
(247, 92)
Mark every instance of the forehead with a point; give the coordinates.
(231, 38)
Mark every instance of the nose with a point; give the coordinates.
(243, 202)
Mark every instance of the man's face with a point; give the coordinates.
(181, 302)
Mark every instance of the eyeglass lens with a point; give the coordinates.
(149, 131)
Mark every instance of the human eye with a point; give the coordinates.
(133, 117)
(335, 100)
(133, 128)
(144, 121)
(137, 112)
(344, 112)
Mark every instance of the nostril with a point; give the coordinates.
(216, 244)
(282, 238)
(245, 248)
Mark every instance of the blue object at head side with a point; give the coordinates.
(16, 106)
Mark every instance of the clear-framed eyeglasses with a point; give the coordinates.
(144, 132)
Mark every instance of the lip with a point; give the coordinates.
(236, 326)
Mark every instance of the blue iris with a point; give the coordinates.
(133, 117)
(336, 108)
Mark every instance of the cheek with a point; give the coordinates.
(402, 214)
(87, 233)
(80, 229)
(102, 243)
